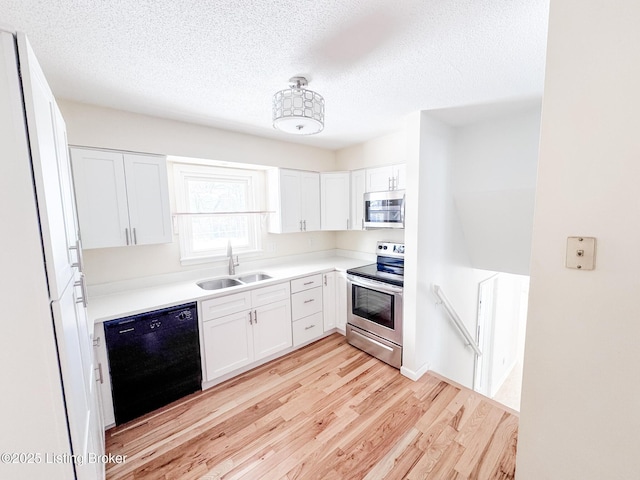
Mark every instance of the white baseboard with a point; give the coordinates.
(415, 374)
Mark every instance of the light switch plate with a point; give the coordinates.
(581, 253)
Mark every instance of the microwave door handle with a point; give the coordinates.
(402, 209)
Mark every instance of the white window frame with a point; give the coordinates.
(254, 180)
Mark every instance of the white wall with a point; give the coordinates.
(580, 418)
(495, 163)
(107, 128)
(437, 255)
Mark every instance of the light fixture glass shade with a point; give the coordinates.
(298, 110)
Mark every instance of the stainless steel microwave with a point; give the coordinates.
(384, 209)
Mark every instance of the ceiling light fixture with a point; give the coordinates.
(298, 110)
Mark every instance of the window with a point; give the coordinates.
(213, 203)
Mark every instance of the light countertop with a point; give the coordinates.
(144, 299)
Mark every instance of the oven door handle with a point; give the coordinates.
(383, 287)
(371, 340)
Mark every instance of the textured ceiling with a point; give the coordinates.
(218, 63)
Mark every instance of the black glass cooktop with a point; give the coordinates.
(393, 274)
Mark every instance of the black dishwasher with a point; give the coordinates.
(154, 359)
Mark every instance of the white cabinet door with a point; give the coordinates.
(358, 189)
(47, 141)
(228, 343)
(101, 194)
(291, 208)
(294, 196)
(334, 196)
(148, 199)
(342, 292)
(102, 376)
(389, 177)
(400, 174)
(272, 329)
(379, 179)
(310, 200)
(79, 405)
(123, 199)
(329, 300)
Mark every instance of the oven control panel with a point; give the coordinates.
(390, 249)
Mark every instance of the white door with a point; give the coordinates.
(102, 198)
(334, 195)
(486, 294)
(148, 199)
(329, 300)
(228, 343)
(358, 188)
(290, 208)
(310, 200)
(46, 132)
(272, 329)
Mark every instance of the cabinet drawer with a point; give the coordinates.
(307, 329)
(273, 293)
(305, 283)
(221, 306)
(306, 303)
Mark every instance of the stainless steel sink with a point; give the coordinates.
(218, 283)
(254, 277)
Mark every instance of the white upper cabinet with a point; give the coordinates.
(47, 139)
(123, 198)
(334, 197)
(389, 177)
(358, 189)
(294, 196)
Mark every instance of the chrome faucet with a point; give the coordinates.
(232, 264)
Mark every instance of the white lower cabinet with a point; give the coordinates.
(242, 328)
(102, 375)
(342, 294)
(271, 329)
(228, 343)
(329, 300)
(306, 309)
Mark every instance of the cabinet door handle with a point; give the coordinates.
(309, 301)
(126, 232)
(308, 283)
(309, 327)
(78, 248)
(300, 225)
(99, 377)
(325, 280)
(305, 225)
(83, 291)
(255, 316)
(135, 237)
(250, 318)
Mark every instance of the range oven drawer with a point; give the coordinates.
(380, 348)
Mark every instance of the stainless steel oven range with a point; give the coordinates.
(374, 322)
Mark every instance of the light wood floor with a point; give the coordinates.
(327, 411)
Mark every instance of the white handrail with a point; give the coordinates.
(444, 301)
